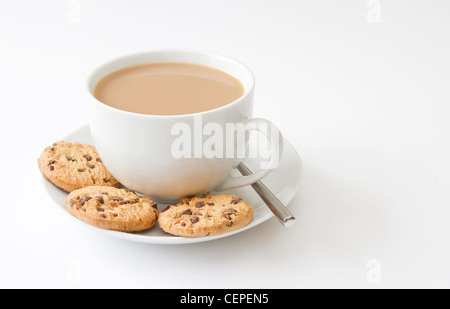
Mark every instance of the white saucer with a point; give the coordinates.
(284, 182)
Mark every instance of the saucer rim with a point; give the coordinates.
(172, 239)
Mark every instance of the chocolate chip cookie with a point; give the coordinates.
(72, 166)
(205, 216)
(112, 208)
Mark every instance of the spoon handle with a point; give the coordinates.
(278, 209)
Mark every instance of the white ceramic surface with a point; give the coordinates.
(137, 148)
(284, 182)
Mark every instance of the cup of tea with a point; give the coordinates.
(175, 123)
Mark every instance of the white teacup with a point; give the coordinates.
(138, 149)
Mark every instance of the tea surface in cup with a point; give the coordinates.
(168, 88)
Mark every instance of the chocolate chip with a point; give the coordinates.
(104, 193)
(115, 215)
(154, 205)
(165, 208)
(99, 160)
(186, 212)
(51, 167)
(210, 204)
(85, 199)
(200, 204)
(235, 201)
(88, 158)
(52, 148)
(81, 170)
(195, 219)
(100, 199)
(91, 165)
(183, 224)
(100, 209)
(116, 198)
(71, 203)
(230, 224)
(69, 158)
(103, 216)
(51, 162)
(227, 214)
(106, 180)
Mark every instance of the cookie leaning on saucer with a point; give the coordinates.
(206, 216)
(72, 166)
(112, 208)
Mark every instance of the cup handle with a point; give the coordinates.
(275, 139)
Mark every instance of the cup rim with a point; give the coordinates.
(247, 92)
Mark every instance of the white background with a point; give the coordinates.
(362, 93)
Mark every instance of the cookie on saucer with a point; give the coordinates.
(71, 166)
(208, 215)
(112, 208)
